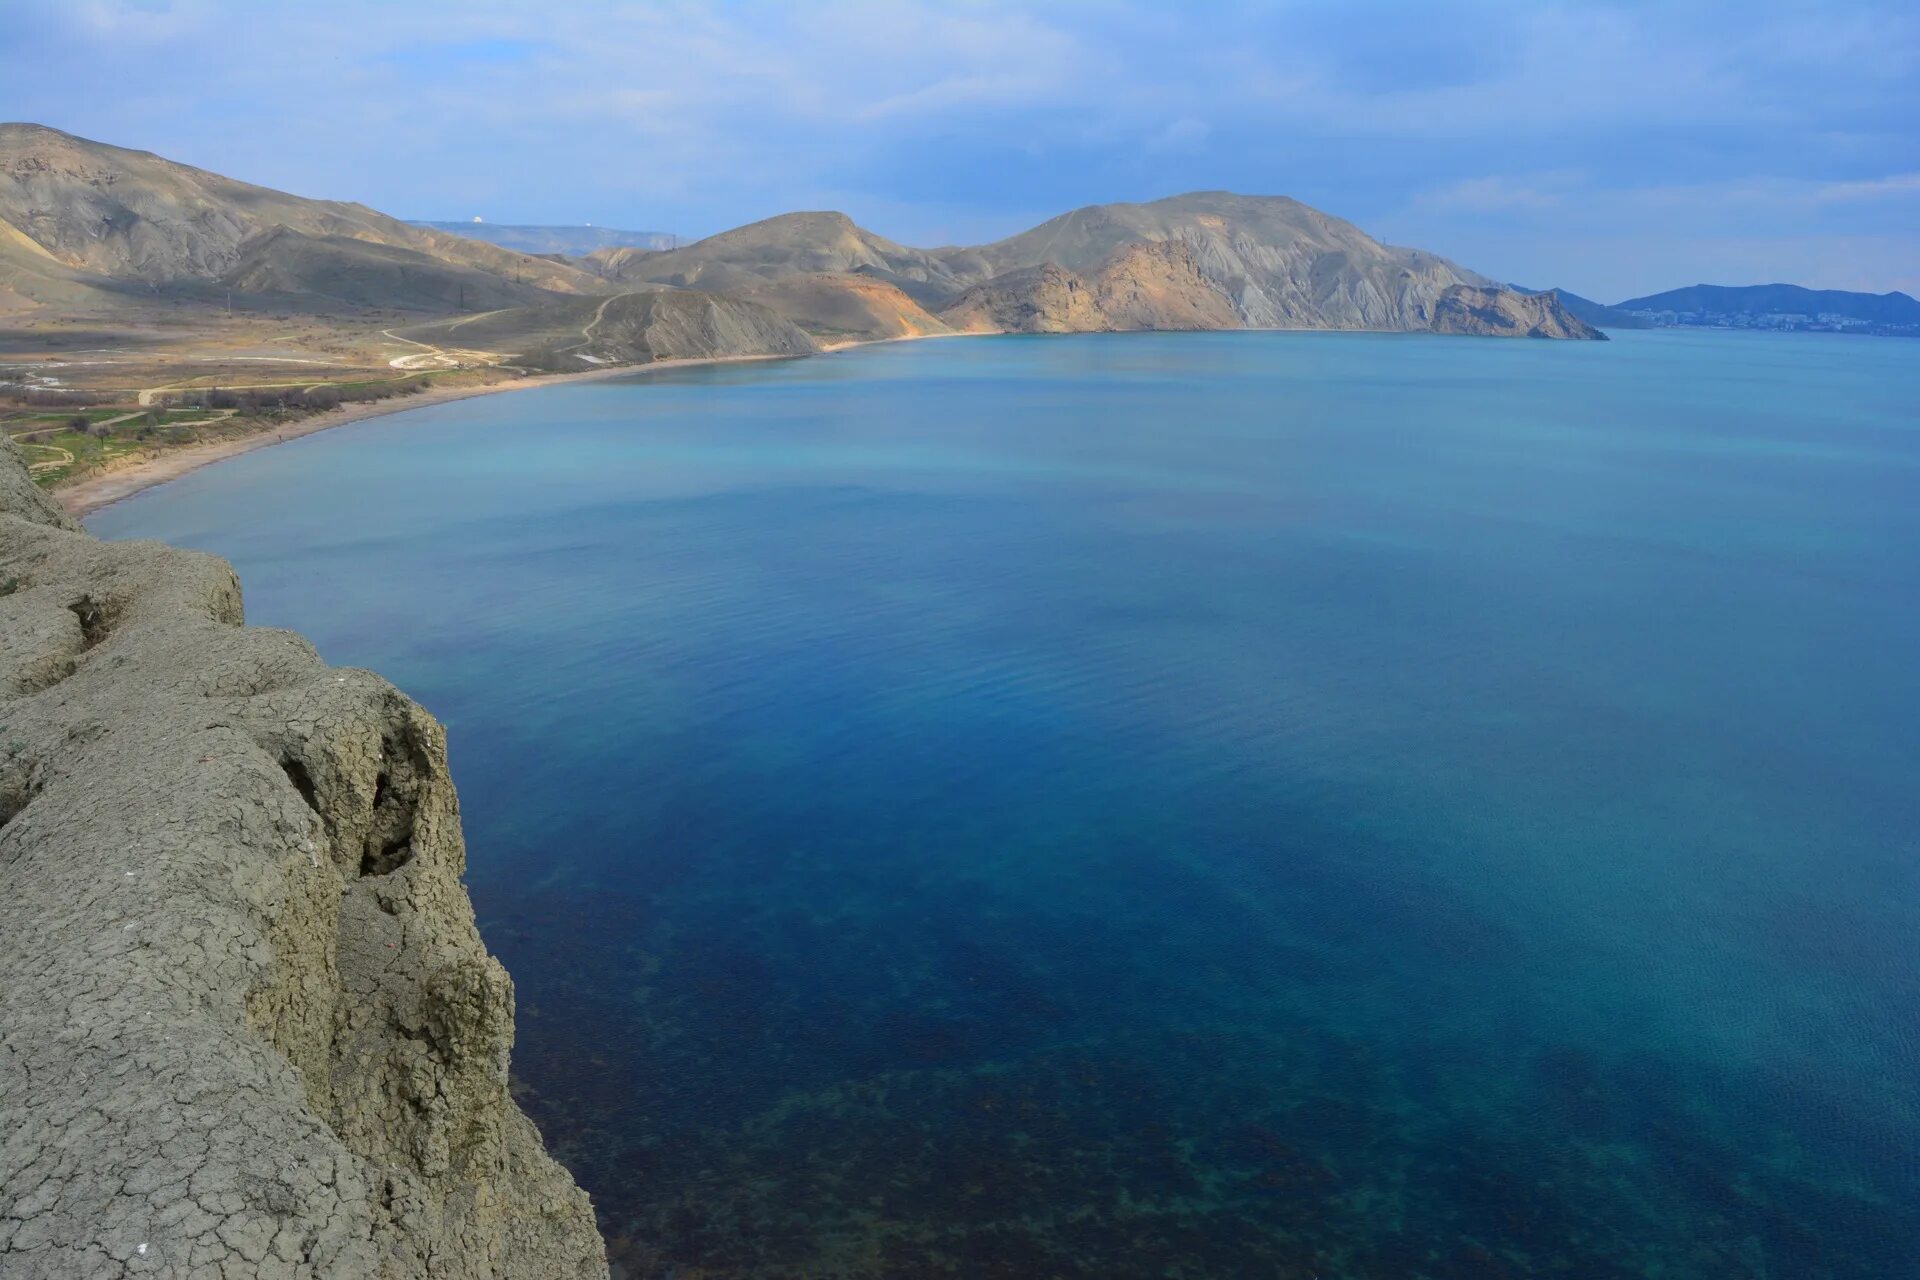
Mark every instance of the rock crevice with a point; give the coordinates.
(247, 1026)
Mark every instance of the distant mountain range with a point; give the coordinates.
(1779, 306)
(1247, 262)
(1785, 308)
(101, 231)
(573, 242)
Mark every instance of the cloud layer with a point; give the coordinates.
(1612, 149)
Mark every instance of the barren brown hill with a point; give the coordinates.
(340, 271)
(85, 226)
(571, 334)
(787, 245)
(109, 214)
(841, 307)
(1272, 261)
(1281, 263)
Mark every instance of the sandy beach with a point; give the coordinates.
(92, 492)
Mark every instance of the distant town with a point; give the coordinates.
(1781, 321)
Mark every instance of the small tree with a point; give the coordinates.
(78, 422)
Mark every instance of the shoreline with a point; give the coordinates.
(89, 494)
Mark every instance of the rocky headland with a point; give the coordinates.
(1504, 313)
(247, 1026)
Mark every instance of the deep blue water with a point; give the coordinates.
(1175, 806)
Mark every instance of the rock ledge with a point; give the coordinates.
(247, 1026)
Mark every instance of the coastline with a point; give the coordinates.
(103, 489)
(91, 493)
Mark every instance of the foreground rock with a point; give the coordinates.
(247, 1026)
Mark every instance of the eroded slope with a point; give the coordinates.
(247, 1026)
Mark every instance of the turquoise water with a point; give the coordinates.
(1293, 805)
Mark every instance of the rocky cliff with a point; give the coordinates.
(1042, 299)
(247, 1026)
(1143, 285)
(1503, 313)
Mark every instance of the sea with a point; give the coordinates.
(1301, 805)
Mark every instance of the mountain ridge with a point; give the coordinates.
(1890, 309)
(132, 216)
(544, 239)
(90, 222)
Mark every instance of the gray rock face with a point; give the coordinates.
(247, 1027)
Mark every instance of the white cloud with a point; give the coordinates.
(1424, 120)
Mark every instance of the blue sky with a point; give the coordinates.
(1613, 149)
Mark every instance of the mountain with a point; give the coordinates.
(84, 225)
(29, 273)
(570, 334)
(1745, 305)
(1280, 263)
(1141, 285)
(1597, 314)
(1505, 313)
(574, 242)
(108, 215)
(790, 244)
(333, 272)
(841, 307)
(1275, 261)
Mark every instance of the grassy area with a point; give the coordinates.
(64, 444)
(58, 453)
(53, 417)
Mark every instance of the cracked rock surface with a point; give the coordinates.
(247, 1026)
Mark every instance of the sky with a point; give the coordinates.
(1611, 149)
